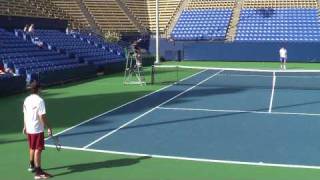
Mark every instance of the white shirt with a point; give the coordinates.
(30, 29)
(33, 108)
(283, 53)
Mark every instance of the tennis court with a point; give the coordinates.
(268, 118)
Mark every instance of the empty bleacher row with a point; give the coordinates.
(99, 42)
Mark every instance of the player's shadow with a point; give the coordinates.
(76, 168)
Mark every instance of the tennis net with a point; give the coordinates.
(233, 77)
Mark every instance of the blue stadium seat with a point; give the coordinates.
(27, 59)
(83, 46)
(202, 24)
(280, 24)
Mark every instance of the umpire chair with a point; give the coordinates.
(133, 73)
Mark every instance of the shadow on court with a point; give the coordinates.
(4, 141)
(76, 168)
(278, 107)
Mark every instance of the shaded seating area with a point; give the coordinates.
(79, 48)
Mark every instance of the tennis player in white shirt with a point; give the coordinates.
(35, 121)
(283, 58)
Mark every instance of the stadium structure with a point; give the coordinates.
(164, 89)
(250, 30)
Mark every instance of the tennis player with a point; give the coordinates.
(283, 58)
(35, 120)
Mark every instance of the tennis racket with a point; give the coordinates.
(56, 142)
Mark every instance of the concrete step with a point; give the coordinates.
(232, 30)
(131, 16)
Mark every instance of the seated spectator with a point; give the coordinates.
(75, 31)
(67, 31)
(9, 71)
(1, 70)
(31, 28)
(26, 27)
(71, 31)
(37, 42)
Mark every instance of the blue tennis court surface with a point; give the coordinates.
(213, 116)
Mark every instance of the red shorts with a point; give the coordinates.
(36, 141)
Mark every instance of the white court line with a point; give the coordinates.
(130, 102)
(163, 103)
(272, 92)
(238, 111)
(245, 75)
(241, 69)
(190, 159)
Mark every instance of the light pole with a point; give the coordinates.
(157, 33)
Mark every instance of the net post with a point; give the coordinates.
(157, 33)
(152, 74)
(177, 73)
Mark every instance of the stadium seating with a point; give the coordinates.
(29, 60)
(209, 4)
(22, 8)
(202, 24)
(285, 21)
(280, 4)
(204, 20)
(109, 17)
(145, 12)
(80, 48)
(99, 42)
(35, 8)
(72, 8)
